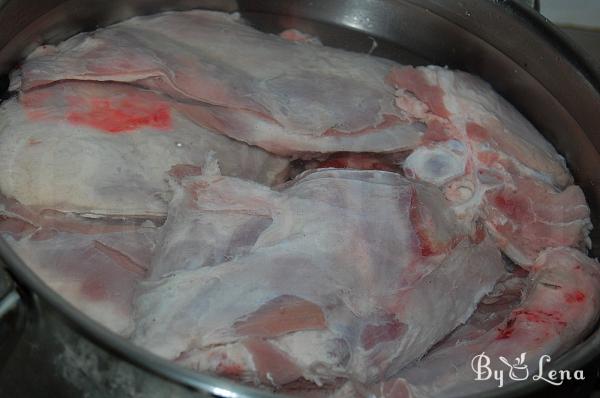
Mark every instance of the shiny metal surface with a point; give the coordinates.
(505, 42)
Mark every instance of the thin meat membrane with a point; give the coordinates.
(295, 217)
(325, 248)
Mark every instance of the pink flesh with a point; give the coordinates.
(372, 335)
(522, 151)
(535, 216)
(491, 311)
(296, 35)
(121, 259)
(559, 308)
(281, 315)
(15, 226)
(96, 268)
(272, 365)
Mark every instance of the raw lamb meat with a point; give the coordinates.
(319, 260)
(363, 103)
(560, 306)
(310, 98)
(466, 139)
(95, 265)
(301, 218)
(108, 149)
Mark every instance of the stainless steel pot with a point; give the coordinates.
(49, 348)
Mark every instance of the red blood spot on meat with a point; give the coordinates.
(388, 121)
(477, 132)
(179, 171)
(533, 316)
(414, 80)
(119, 115)
(539, 316)
(575, 297)
(33, 142)
(506, 331)
(282, 315)
(374, 334)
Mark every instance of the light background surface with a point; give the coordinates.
(584, 13)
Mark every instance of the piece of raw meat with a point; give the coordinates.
(192, 239)
(496, 166)
(94, 265)
(463, 136)
(318, 290)
(484, 121)
(560, 307)
(527, 216)
(491, 311)
(310, 98)
(109, 149)
(337, 282)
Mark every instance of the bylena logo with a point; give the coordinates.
(518, 370)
